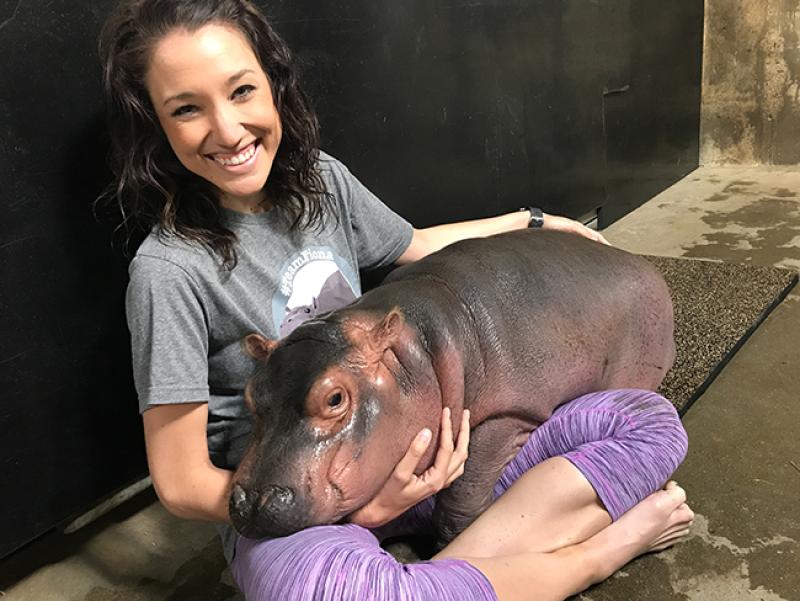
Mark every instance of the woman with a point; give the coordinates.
(252, 229)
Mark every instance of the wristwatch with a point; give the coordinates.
(537, 216)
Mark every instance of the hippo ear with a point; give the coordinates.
(258, 347)
(386, 332)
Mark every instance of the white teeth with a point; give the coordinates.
(238, 159)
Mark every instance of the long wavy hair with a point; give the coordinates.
(151, 188)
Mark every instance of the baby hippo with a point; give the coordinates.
(509, 327)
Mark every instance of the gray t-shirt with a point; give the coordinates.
(187, 315)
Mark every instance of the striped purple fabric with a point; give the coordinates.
(626, 442)
(346, 563)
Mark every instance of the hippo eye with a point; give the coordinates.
(335, 400)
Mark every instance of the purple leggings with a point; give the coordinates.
(626, 443)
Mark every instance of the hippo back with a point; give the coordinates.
(561, 312)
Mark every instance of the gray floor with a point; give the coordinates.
(742, 472)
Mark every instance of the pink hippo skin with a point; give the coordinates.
(509, 327)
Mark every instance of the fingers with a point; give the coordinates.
(440, 465)
(463, 434)
(565, 224)
(588, 232)
(448, 463)
(450, 459)
(459, 456)
(404, 471)
(598, 237)
(447, 429)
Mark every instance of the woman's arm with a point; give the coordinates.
(186, 481)
(431, 239)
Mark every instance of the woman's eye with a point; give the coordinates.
(335, 400)
(184, 111)
(243, 91)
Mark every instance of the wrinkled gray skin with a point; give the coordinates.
(509, 326)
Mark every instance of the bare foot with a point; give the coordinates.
(681, 519)
(656, 523)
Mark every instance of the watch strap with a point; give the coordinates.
(537, 217)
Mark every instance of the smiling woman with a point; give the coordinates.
(193, 89)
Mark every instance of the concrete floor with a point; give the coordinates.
(742, 472)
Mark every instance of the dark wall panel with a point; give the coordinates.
(446, 109)
(466, 109)
(652, 105)
(70, 430)
(458, 109)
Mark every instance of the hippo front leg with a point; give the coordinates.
(493, 444)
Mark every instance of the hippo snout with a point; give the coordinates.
(272, 511)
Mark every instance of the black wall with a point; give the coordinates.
(446, 109)
(465, 109)
(69, 429)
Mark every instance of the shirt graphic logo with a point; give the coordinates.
(312, 283)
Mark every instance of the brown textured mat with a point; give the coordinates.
(717, 307)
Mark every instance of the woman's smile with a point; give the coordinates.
(240, 161)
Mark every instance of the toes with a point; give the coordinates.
(674, 537)
(667, 540)
(669, 500)
(676, 494)
(684, 513)
(678, 531)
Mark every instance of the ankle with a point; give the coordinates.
(586, 561)
(603, 555)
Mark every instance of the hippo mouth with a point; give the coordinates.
(272, 511)
(339, 480)
(322, 496)
(351, 483)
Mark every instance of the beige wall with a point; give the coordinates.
(751, 83)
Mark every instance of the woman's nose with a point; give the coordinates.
(227, 129)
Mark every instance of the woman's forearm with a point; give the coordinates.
(476, 228)
(431, 239)
(201, 495)
(186, 481)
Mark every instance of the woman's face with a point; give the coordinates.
(215, 104)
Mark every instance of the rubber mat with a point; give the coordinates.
(717, 307)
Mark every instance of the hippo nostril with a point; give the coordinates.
(239, 499)
(276, 499)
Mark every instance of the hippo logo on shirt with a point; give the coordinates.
(313, 282)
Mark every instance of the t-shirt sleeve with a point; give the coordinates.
(169, 333)
(380, 235)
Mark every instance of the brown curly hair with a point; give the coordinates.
(152, 189)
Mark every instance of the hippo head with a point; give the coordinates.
(335, 406)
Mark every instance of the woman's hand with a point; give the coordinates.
(404, 488)
(564, 224)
